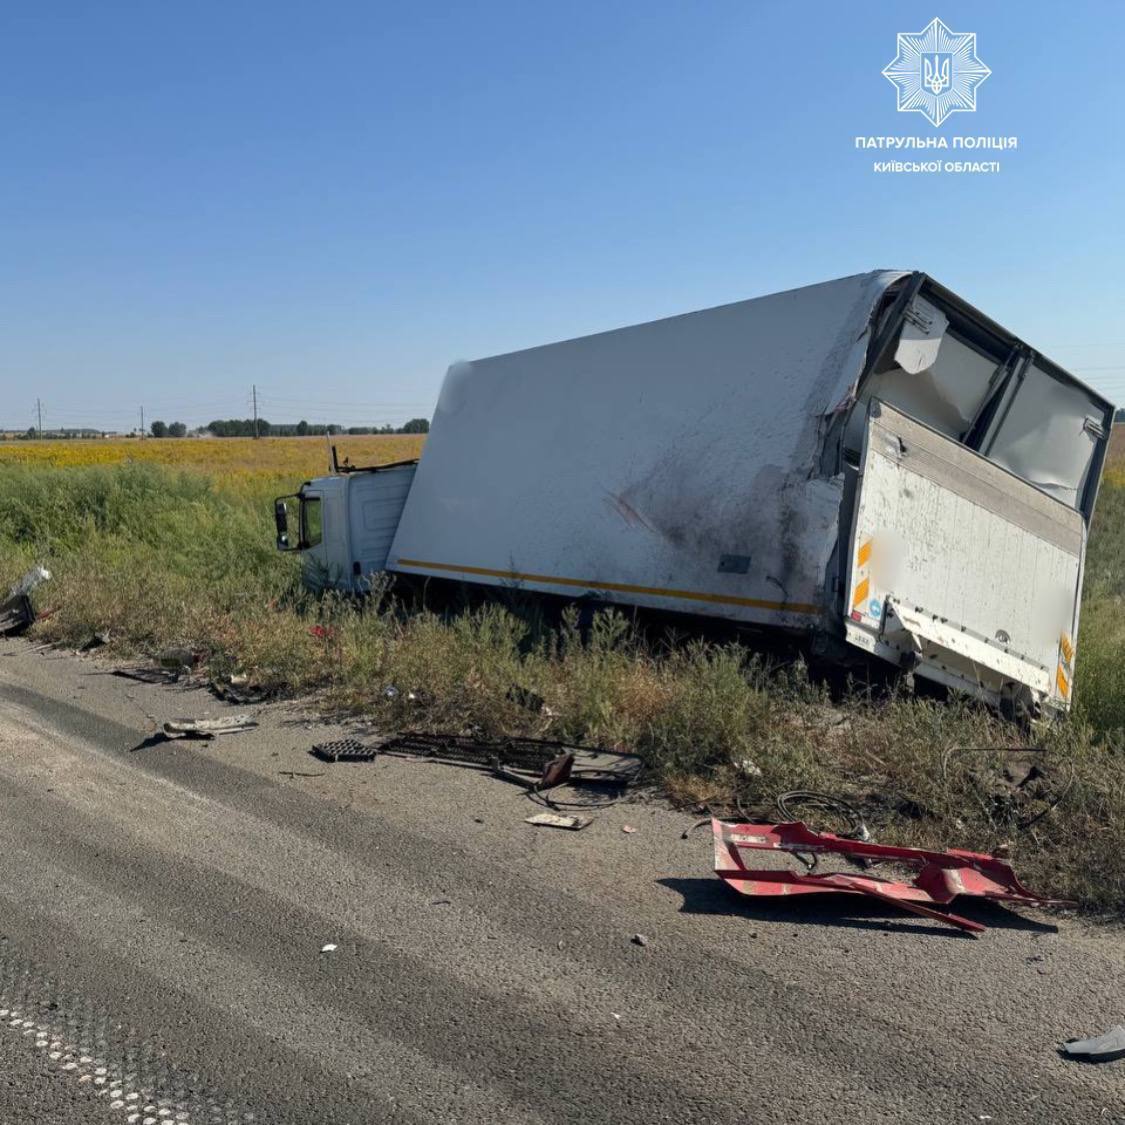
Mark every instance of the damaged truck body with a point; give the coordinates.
(870, 462)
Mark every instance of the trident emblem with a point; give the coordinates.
(935, 73)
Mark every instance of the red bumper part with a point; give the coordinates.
(940, 878)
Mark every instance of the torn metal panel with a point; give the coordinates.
(932, 376)
(941, 876)
(922, 332)
(1049, 435)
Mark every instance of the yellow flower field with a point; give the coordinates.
(296, 457)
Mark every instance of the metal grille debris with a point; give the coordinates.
(344, 750)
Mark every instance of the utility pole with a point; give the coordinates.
(142, 423)
(39, 411)
(255, 411)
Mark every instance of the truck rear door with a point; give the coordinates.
(960, 570)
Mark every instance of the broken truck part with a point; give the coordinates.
(536, 764)
(1099, 1048)
(870, 463)
(208, 728)
(17, 614)
(940, 878)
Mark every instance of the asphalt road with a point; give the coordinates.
(164, 905)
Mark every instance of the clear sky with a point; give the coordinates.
(336, 200)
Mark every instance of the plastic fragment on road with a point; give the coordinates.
(940, 878)
(1099, 1048)
(208, 728)
(554, 820)
(344, 750)
(329, 948)
(147, 675)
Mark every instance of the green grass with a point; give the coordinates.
(161, 558)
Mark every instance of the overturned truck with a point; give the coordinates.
(870, 461)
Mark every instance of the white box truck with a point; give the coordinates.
(870, 461)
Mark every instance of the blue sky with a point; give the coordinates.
(337, 200)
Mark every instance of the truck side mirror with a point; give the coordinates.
(281, 519)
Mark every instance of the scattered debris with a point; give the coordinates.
(16, 611)
(554, 820)
(178, 658)
(390, 692)
(747, 767)
(344, 750)
(788, 802)
(208, 728)
(628, 828)
(16, 615)
(97, 640)
(941, 877)
(239, 690)
(1101, 1048)
(300, 773)
(149, 675)
(442, 902)
(534, 763)
(331, 947)
(640, 939)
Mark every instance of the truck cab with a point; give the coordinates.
(343, 523)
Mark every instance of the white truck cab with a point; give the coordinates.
(345, 523)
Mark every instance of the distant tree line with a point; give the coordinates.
(31, 433)
(171, 429)
(244, 427)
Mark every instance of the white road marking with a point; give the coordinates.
(139, 1105)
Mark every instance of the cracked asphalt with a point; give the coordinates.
(164, 906)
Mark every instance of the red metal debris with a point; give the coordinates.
(941, 877)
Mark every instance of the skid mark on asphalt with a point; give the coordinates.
(86, 1046)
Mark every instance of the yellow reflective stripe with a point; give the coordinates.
(616, 587)
(864, 554)
(861, 592)
(1062, 684)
